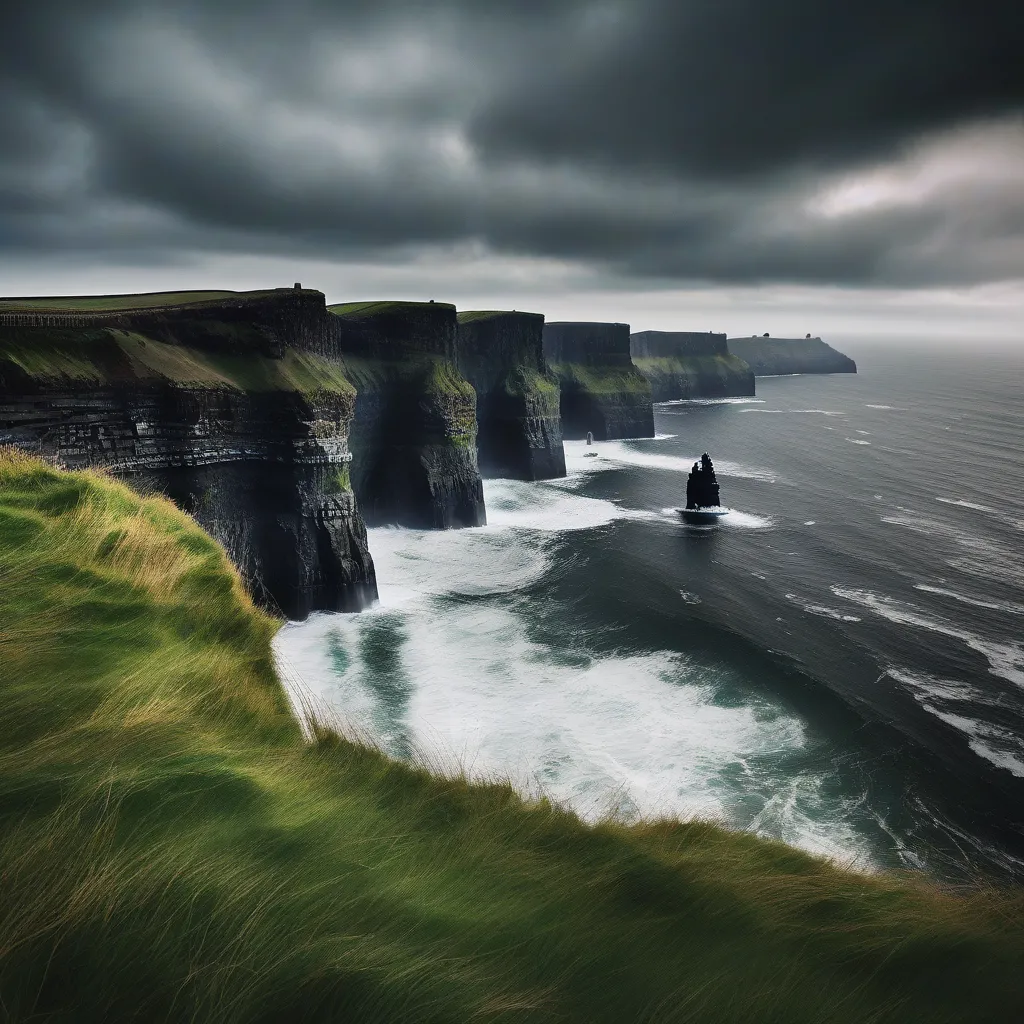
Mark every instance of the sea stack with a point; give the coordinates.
(702, 485)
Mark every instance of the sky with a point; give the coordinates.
(848, 169)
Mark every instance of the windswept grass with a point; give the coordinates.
(173, 849)
(377, 307)
(131, 301)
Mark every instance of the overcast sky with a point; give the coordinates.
(741, 165)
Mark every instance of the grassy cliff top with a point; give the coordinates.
(683, 362)
(171, 847)
(99, 356)
(469, 316)
(141, 300)
(368, 309)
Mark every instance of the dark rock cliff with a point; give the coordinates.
(601, 390)
(773, 356)
(519, 431)
(220, 403)
(687, 364)
(414, 432)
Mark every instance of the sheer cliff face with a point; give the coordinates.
(215, 407)
(519, 430)
(683, 364)
(414, 432)
(602, 392)
(772, 356)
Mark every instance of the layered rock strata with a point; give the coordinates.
(414, 433)
(218, 401)
(775, 356)
(688, 364)
(602, 392)
(519, 430)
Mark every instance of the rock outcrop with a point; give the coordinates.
(602, 392)
(414, 432)
(702, 485)
(219, 400)
(519, 430)
(687, 364)
(769, 357)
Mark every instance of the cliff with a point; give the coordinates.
(217, 400)
(771, 356)
(519, 429)
(688, 364)
(601, 390)
(414, 431)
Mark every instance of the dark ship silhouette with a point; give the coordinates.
(702, 501)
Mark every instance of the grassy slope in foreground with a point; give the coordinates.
(171, 848)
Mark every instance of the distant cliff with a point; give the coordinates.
(773, 356)
(601, 390)
(414, 432)
(519, 430)
(687, 364)
(218, 400)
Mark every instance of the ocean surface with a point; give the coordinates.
(837, 664)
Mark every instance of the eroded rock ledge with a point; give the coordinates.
(220, 401)
(414, 432)
(601, 390)
(519, 430)
(688, 364)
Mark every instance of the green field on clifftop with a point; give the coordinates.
(101, 356)
(137, 301)
(172, 848)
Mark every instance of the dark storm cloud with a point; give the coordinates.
(740, 87)
(651, 139)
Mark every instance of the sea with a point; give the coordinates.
(837, 664)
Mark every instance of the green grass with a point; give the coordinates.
(99, 355)
(141, 300)
(173, 849)
(468, 316)
(691, 364)
(601, 380)
(367, 309)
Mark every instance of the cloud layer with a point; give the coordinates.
(659, 142)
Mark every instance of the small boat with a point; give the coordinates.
(702, 505)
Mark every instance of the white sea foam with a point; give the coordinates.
(689, 598)
(893, 408)
(1010, 607)
(966, 504)
(867, 432)
(1005, 660)
(735, 520)
(823, 610)
(989, 741)
(810, 522)
(857, 440)
(463, 681)
(710, 401)
(609, 454)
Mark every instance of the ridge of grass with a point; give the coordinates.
(174, 846)
(377, 307)
(102, 355)
(130, 301)
(467, 316)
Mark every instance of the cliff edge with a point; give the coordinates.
(414, 432)
(602, 392)
(215, 399)
(689, 364)
(519, 427)
(769, 357)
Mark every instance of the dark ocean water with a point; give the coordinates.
(837, 664)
